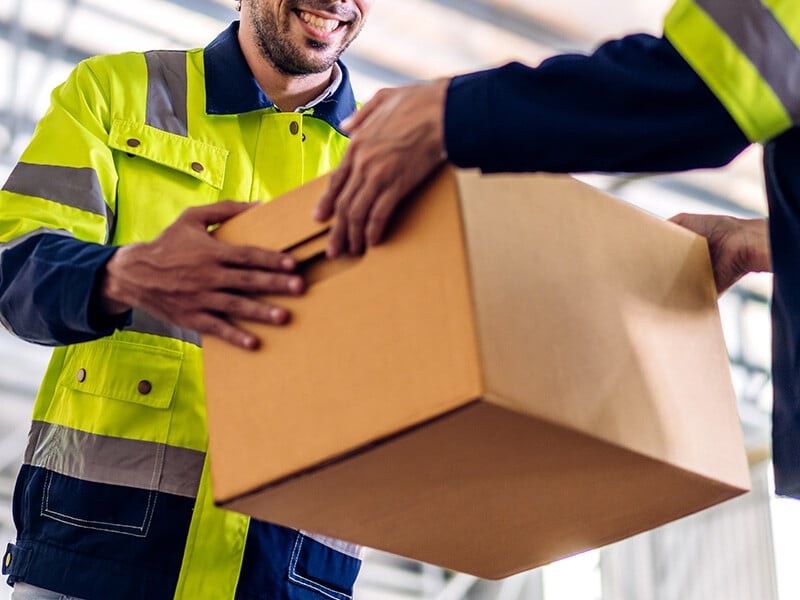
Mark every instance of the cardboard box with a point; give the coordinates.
(526, 369)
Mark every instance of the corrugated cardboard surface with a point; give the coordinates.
(526, 369)
(603, 318)
(381, 345)
(488, 492)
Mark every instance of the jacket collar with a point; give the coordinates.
(232, 89)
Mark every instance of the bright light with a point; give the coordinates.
(785, 528)
(574, 578)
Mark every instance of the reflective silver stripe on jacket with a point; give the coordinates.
(347, 548)
(115, 461)
(761, 37)
(38, 231)
(77, 187)
(144, 322)
(166, 91)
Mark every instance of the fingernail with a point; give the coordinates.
(276, 314)
(287, 262)
(295, 285)
(250, 342)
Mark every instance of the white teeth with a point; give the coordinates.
(318, 22)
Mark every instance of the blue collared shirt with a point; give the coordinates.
(231, 87)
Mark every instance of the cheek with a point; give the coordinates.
(364, 6)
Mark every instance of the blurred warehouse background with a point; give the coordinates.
(744, 549)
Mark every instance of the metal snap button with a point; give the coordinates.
(294, 127)
(134, 143)
(197, 167)
(81, 375)
(144, 387)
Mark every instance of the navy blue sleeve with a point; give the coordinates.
(47, 289)
(634, 105)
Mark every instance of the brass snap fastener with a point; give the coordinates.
(81, 375)
(294, 127)
(144, 387)
(197, 167)
(134, 143)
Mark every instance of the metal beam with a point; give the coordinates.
(212, 9)
(518, 22)
(40, 43)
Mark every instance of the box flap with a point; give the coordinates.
(290, 218)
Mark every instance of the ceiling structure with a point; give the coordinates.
(412, 40)
(406, 41)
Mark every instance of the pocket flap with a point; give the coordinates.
(192, 157)
(124, 371)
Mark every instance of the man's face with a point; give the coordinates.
(300, 37)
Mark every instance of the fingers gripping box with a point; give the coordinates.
(527, 368)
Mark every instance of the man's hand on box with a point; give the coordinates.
(737, 246)
(188, 278)
(396, 141)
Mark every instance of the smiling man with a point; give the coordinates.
(327, 30)
(106, 255)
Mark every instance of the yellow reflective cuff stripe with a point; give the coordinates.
(763, 40)
(726, 70)
(166, 91)
(114, 461)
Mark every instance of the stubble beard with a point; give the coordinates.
(276, 45)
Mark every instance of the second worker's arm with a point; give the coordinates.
(633, 105)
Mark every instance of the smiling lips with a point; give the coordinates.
(324, 25)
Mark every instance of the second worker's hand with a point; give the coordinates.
(396, 141)
(190, 279)
(737, 246)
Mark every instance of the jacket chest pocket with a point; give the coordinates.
(159, 175)
(137, 375)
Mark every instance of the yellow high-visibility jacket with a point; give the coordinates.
(113, 500)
